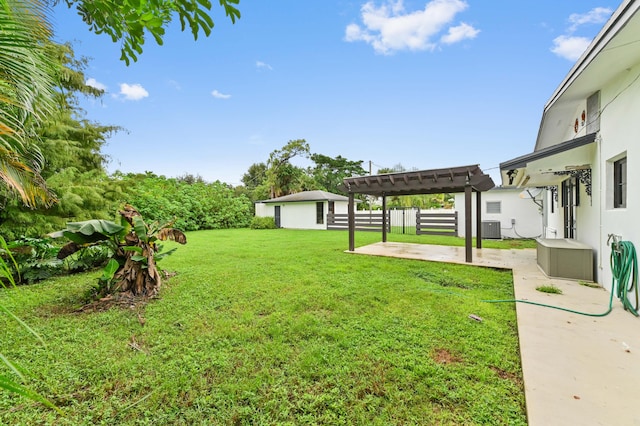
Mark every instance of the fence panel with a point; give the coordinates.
(437, 223)
(403, 220)
(364, 221)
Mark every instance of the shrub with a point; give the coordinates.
(35, 258)
(194, 204)
(89, 258)
(263, 223)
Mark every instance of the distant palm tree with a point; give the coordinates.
(26, 95)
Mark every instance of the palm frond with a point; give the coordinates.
(26, 95)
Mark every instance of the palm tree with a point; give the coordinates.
(26, 95)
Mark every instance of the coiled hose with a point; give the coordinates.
(624, 268)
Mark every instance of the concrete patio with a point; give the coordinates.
(578, 369)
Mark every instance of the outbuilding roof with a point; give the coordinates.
(307, 196)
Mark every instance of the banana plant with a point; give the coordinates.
(134, 244)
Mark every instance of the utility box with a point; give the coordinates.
(565, 258)
(491, 230)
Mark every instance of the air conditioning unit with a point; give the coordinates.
(491, 230)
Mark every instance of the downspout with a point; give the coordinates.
(602, 205)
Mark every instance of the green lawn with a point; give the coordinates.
(450, 241)
(263, 327)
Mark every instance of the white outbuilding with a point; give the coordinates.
(303, 210)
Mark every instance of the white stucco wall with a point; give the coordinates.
(527, 215)
(300, 214)
(619, 130)
(617, 138)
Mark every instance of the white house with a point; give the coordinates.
(303, 210)
(587, 148)
(507, 212)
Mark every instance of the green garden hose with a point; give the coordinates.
(624, 268)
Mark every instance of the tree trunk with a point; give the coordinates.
(138, 278)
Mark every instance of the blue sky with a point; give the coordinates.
(425, 84)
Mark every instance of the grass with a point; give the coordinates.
(589, 284)
(551, 289)
(263, 327)
(444, 240)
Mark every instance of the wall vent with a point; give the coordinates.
(491, 229)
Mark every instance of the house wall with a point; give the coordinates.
(263, 210)
(617, 138)
(619, 130)
(299, 215)
(527, 215)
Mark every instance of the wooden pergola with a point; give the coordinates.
(465, 179)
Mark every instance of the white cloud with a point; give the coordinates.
(95, 84)
(598, 15)
(459, 33)
(174, 84)
(569, 47)
(133, 92)
(219, 95)
(260, 64)
(390, 28)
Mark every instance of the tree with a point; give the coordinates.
(129, 21)
(194, 206)
(254, 186)
(74, 168)
(284, 178)
(134, 245)
(430, 201)
(26, 81)
(190, 179)
(397, 168)
(255, 176)
(329, 172)
(26, 96)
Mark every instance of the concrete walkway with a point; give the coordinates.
(578, 370)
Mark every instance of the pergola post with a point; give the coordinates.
(478, 219)
(467, 224)
(384, 218)
(352, 222)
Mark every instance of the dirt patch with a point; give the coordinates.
(506, 375)
(120, 300)
(124, 300)
(443, 356)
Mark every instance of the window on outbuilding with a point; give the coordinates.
(620, 183)
(494, 207)
(320, 212)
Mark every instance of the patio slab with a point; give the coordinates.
(577, 369)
